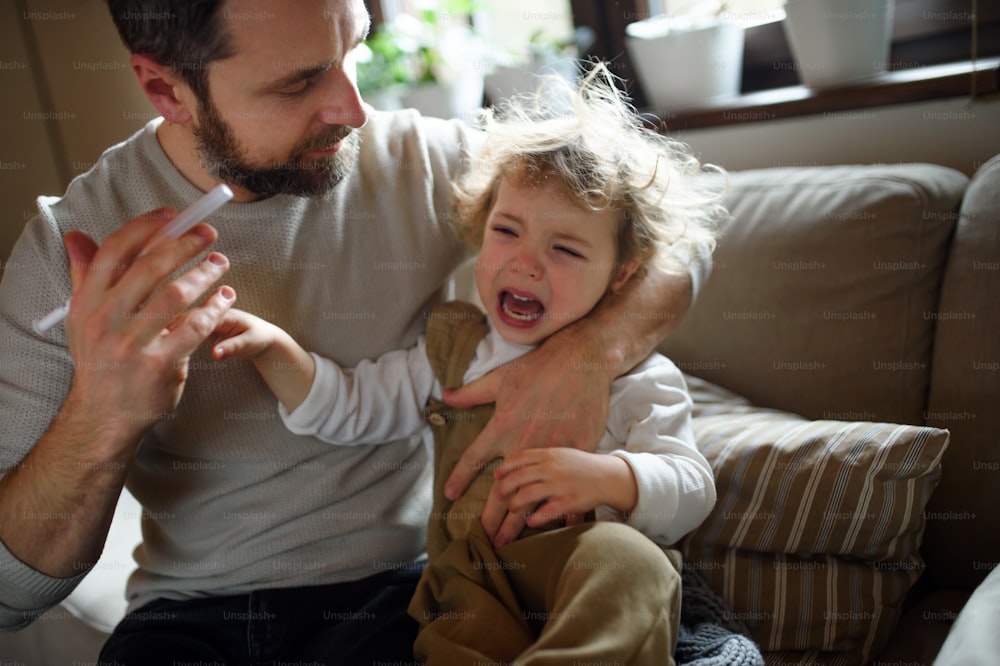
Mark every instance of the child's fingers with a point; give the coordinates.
(546, 513)
(555, 508)
(514, 462)
(511, 528)
(528, 496)
(493, 514)
(519, 475)
(221, 351)
(197, 325)
(232, 326)
(239, 345)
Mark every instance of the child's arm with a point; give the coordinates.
(378, 401)
(286, 367)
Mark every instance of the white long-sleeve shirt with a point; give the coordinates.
(649, 424)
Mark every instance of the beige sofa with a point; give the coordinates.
(843, 300)
(853, 296)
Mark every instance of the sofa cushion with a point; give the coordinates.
(825, 283)
(815, 538)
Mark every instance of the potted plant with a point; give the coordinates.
(433, 62)
(383, 72)
(687, 60)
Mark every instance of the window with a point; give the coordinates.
(925, 32)
(507, 26)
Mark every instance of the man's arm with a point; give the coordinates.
(130, 341)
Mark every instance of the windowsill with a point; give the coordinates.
(959, 79)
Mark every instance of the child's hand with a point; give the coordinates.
(243, 335)
(556, 482)
(286, 367)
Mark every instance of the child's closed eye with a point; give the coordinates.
(570, 252)
(503, 230)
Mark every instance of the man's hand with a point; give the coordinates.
(557, 395)
(551, 396)
(130, 332)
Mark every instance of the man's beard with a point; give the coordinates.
(221, 155)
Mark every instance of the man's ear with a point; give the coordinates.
(164, 89)
(623, 275)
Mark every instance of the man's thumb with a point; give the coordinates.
(81, 250)
(479, 392)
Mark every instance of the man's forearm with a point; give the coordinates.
(56, 506)
(627, 326)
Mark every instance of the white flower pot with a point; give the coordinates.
(835, 42)
(460, 98)
(681, 68)
(506, 81)
(384, 99)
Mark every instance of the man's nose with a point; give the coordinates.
(343, 104)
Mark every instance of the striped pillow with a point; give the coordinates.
(814, 541)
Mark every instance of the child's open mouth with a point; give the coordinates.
(520, 308)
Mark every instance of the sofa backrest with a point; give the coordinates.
(836, 294)
(823, 291)
(962, 538)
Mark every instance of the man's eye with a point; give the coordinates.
(299, 88)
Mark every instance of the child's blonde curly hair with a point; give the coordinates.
(593, 142)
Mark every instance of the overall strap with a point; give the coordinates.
(454, 330)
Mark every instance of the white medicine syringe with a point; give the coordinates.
(185, 220)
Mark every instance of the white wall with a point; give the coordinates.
(955, 132)
(68, 93)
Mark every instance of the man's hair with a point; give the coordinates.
(589, 139)
(185, 35)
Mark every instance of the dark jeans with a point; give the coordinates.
(361, 623)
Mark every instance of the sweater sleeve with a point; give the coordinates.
(651, 414)
(378, 401)
(26, 593)
(34, 377)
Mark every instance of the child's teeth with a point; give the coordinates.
(521, 316)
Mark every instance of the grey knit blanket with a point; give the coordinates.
(709, 635)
